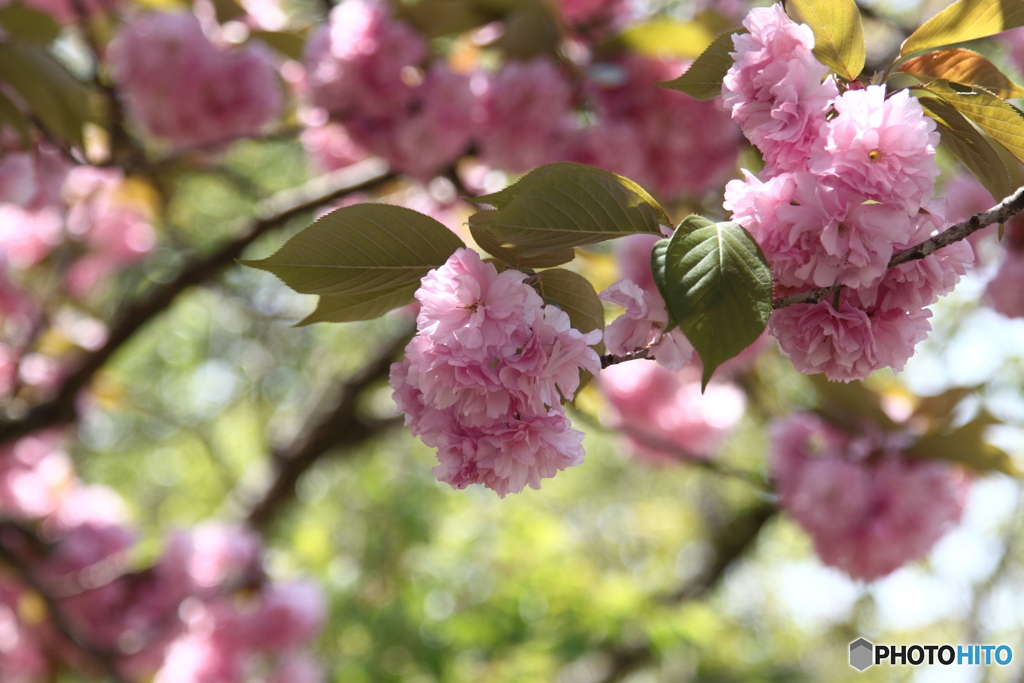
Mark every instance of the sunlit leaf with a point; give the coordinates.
(838, 33)
(703, 80)
(717, 285)
(570, 205)
(489, 243)
(994, 116)
(965, 446)
(846, 404)
(61, 102)
(344, 309)
(665, 38)
(965, 20)
(970, 147)
(965, 67)
(362, 249)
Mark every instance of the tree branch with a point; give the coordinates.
(609, 359)
(271, 213)
(1000, 213)
(339, 427)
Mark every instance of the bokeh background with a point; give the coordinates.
(216, 408)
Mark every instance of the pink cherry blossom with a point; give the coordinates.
(360, 61)
(428, 132)
(330, 147)
(589, 13)
(685, 146)
(868, 509)
(524, 115)
(23, 656)
(181, 88)
(1005, 292)
(484, 378)
(818, 338)
(664, 414)
(883, 147)
(642, 326)
(17, 178)
(776, 90)
(817, 233)
(115, 228)
(920, 283)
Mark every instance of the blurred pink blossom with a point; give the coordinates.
(180, 87)
(868, 509)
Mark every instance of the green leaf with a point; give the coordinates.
(61, 102)
(965, 446)
(971, 147)
(572, 293)
(345, 309)
(12, 116)
(227, 10)
(846, 404)
(289, 44)
(502, 198)
(664, 38)
(362, 249)
(965, 20)
(717, 285)
(489, 243)
(838, 33)
(570, 205)
(29, 25)
(994, 116)
(703, 80)
(964, 67)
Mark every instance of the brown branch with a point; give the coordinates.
(341, 427)
(104, 660)
(1000, 213)
(270, 214)
(609, 359)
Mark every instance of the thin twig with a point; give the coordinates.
(270, 214)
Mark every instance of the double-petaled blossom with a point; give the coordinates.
(882, 147)
(364, 68)
(484, 378)
(868, 508)
(776, 90)
(181, 88)
(525, 115)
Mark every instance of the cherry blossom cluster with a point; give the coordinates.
(371, 76)
(204, 613)
(183, 89)
(848, 181)
(484, 378)
(868, 508)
